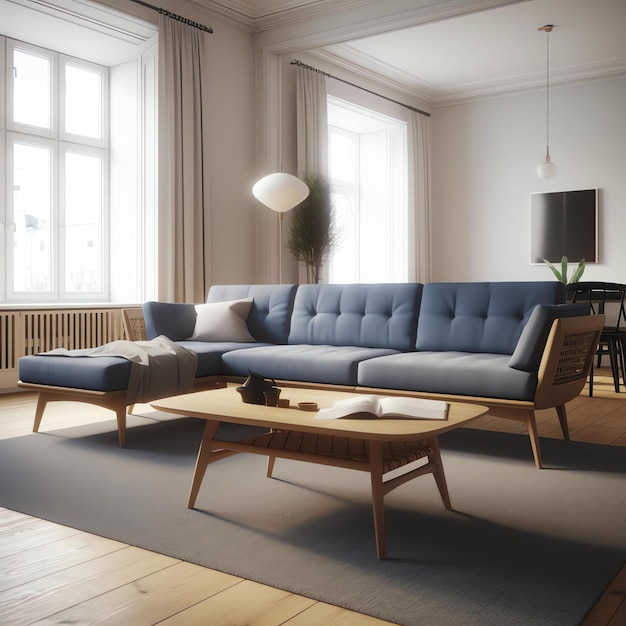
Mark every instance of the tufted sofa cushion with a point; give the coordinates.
(375, 316)
(480, 317)
(270, 314)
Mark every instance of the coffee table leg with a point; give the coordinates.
(204, 456)
(378, 494)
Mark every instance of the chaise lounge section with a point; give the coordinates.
(512, 346)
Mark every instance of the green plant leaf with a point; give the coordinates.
(554, 270)
(578, 272)
(564, 270)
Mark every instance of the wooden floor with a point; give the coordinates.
(52, 574)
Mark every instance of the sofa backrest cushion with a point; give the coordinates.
(480, 317)
(270, 314)
(175, 320)
(380, 315)
(529, 349)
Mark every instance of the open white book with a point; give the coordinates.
(386, 406)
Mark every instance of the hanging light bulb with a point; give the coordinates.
(547, 169)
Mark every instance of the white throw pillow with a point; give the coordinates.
(222, 321)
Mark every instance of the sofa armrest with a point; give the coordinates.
(532, 342)
(567, 359)
(175, 320)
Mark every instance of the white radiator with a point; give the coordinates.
(32, 331)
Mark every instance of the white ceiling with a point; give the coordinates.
(498, 50)
(484, 53)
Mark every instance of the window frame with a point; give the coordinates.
(52, 132)
(351, 190)
(64, 135)
(61, 143)
(18, 296)
(64, 294)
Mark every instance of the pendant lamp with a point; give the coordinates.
(547, 169)
(280, 192)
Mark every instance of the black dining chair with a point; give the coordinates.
(606, 298)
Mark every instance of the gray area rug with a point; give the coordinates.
(521, 547)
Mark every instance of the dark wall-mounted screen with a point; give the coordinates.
(564, 223)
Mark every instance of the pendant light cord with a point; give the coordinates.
(548, 93)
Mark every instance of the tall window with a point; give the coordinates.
(368, 172)
(56, 154)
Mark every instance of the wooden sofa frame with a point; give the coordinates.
(565, 365)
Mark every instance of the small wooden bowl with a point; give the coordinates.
(307, 406)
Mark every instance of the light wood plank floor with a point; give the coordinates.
(52, 574)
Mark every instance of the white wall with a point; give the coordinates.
(230, 110)
(483, 171)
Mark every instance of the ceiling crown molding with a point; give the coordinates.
(420, 98)
(97, 17)
(359, 63)
(260, 15)
(235, 15)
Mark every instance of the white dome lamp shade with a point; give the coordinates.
(280, 192)
(547, 169)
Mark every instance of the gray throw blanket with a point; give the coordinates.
(160, 367)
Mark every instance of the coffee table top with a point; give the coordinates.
(225, 405)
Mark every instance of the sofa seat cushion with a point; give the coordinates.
(307, 363)
(452, 373)
(113, 373)
(107, 373)
(210, 354)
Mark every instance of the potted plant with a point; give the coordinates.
(313, 231)
(562, 275)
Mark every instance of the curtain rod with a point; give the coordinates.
(178, 18)
(314, 69)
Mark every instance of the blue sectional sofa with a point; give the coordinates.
(515, 347)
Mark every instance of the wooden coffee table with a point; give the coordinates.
(377, 446)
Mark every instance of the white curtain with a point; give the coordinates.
(419, 191)
(312, 116)
(184, 209)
